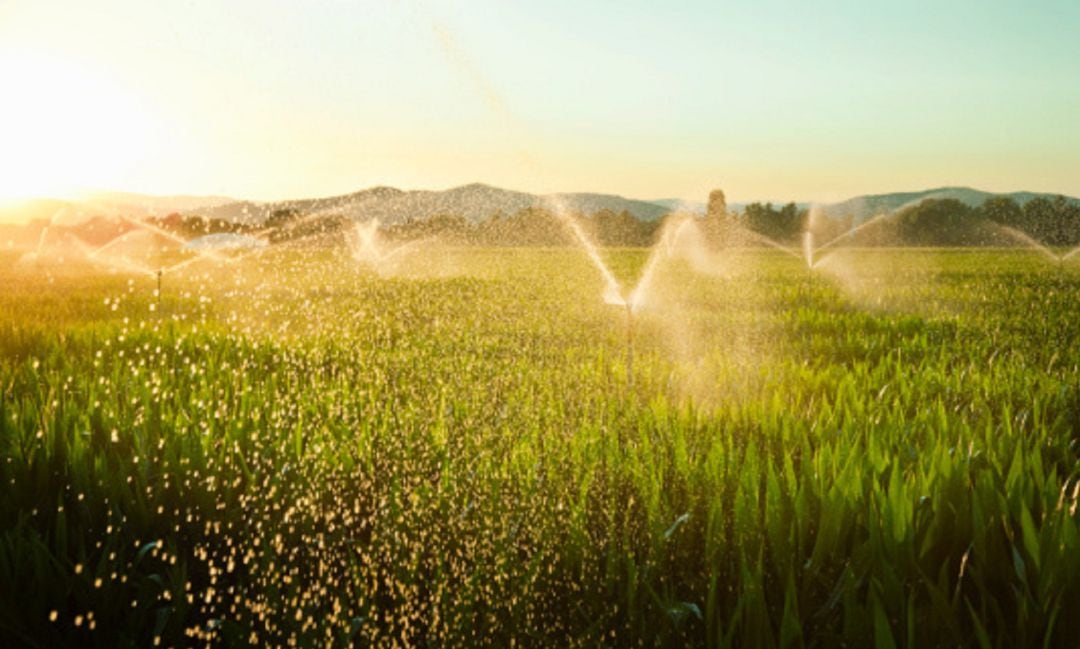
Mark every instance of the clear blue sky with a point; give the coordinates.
(768, 100)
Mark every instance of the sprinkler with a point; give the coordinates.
(629, 343)
(808, 249)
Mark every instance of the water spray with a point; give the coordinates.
(613, 294)
(772, 243)
(811, 250)
(1030, 242)
(367, 248)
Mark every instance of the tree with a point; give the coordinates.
(720, 226)
(1062, 228)
(1070, 223)
(759, 218)
(939, 222)
(282, 217)
(717, 207)
(1003, 210)
(784, 224)
(1039, 218)
(790, 221)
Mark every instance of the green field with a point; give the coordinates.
(294, 450)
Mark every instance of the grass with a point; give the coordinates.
(294, 450)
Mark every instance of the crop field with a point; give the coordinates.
(883, 450)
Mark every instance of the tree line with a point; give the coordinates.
(1000, 220)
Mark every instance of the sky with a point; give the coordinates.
(267, 99)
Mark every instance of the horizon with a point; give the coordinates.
(11, 206)
(302, 100)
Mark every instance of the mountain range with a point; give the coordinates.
(475, 202)
(863, 207)
(870, 205)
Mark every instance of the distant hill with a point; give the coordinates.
(256, 212)
(680, 205)
(92, 231)
(699, 207)
(592, 203)
(152, 205)
(867, 206)
(475, 202)
(864, 207)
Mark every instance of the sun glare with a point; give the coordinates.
(64, 127)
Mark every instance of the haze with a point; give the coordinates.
(771, 101)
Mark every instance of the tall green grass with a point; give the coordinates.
(294, 451)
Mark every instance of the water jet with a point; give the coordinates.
(1033, 243)
(369, 250)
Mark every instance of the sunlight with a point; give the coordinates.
(64, 127)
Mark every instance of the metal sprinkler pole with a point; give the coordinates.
(629, 344)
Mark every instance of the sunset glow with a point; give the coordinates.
(783, 102)
(65, 127)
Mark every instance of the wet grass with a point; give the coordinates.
(297, 451)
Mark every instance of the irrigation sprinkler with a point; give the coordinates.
(629, 344)
(628, 305)
(808, 249)
(613, 293)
